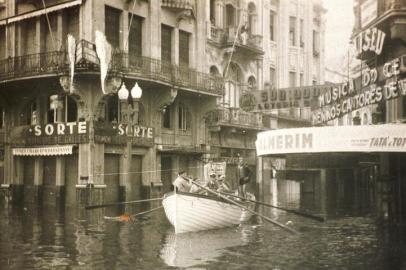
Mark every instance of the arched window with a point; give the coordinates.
(166, 117)
(29, 114)
(184, 118)
(252, 83)
(233, 82)
(252, 19)
(214, 71)
(230, 15)
(61, 109)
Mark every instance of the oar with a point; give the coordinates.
(318, 218)
(88, 207)
(246, 208)
(126, 217)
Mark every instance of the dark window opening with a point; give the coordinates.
(292, 31)
(166, 44)
(135, 36)
(166, 122)
(112, 26)
(183, 49)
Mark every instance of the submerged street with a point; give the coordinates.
(79, 239)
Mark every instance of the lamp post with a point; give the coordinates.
(123, 99)
(136, 93)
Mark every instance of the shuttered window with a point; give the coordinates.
(112, 27)
(135, 36)
(166, 43)
(183, 48)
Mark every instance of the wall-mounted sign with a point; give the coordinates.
(370, 40)
(392, 87)
(369, 11)
(55, 133)
(122, 133)
(372, 138)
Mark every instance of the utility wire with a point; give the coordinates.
(49, 25)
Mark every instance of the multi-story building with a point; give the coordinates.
(64, 137)
(379, 38)
(169, 97)
(259, 45)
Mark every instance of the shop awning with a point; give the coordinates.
(371, 138)
(44, 151)
(40, 12)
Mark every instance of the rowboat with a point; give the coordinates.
(190, 212)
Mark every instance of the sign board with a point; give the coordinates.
(369, 11)
(122, 133)
(54, 133)
(370, 40)
(377, 84)
(374, 138)
(219, 168)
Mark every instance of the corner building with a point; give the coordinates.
(81, 142)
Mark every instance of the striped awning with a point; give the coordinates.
(40, 12)
(44, 151)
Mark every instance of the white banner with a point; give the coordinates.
(373, 138)
(44, 151)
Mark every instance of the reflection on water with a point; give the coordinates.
(49, 238)
(189, 249)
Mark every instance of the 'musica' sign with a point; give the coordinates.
(372, 138)
(376, 84)
(56, 133)
(123, 133)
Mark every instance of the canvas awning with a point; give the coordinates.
(40, 12)
(44, 151)
(371, 138)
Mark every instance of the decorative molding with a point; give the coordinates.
(165, 99)
(184, 15)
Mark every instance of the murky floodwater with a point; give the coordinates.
(50, 239)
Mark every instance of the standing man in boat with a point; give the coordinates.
(181, 182)
(243, 176)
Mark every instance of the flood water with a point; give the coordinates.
(48, 238)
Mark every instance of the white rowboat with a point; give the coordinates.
(189, 212)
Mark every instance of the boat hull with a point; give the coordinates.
(189, 212)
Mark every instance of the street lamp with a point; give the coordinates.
(123, 98)
(136, 93)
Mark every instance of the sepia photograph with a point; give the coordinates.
(202, 134)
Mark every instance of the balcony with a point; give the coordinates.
(56, 63)
(178, 4)
(156, 70)
(234, 117)
(49, 63)
(244, 42)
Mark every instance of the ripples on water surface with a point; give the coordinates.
(50, 239)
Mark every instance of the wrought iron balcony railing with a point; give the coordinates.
(226, 37)
(235, 117)
(33, 64)
(155, 69)
(178, 4)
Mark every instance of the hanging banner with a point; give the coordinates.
(104, 51)
(71, 57)
(374, 138)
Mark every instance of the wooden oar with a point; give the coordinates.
(318, 218)
(246, 208)
(127, 217)
(88, 207)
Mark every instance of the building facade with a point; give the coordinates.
(384, 56)
(71, 133)
(259, 45)
(165, 87)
